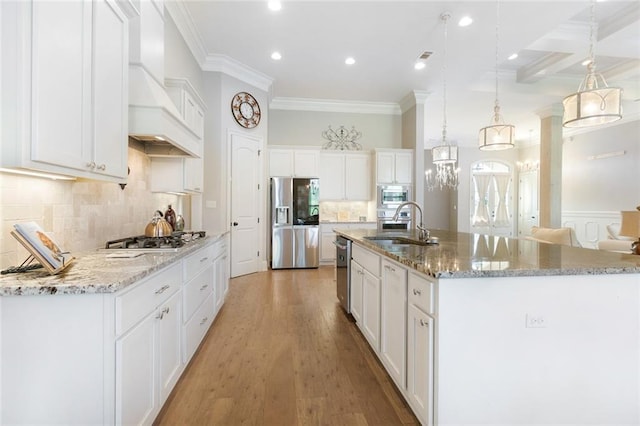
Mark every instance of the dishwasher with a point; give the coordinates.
(343, 271)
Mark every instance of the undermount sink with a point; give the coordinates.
(395, 240)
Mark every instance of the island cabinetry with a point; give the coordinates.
(420, 347)
(394, 167)
(328, 237)
(148, 346)
(345, 176)
(294, 162)
(368, 263)
(65, 110)
(393, 321)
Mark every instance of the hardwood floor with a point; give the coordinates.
(282, 352)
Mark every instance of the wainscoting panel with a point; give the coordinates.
(591, 226)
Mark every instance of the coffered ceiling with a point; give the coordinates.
(385, 38)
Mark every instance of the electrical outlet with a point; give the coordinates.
(535, 321)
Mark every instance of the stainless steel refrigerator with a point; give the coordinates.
(295, 219)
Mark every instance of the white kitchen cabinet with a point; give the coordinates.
(327, 248)
(345, 176)
(420, 363)
(294, 162)
(176, 174)
(148, 358)
(355, 292)
(393, 317)
(220, 273)
(75, 121)
(420, 346)
(189, 103)
(367, 263)
(394, 167)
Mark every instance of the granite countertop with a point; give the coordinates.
(463, 255)
(93, 272)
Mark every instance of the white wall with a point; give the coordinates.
(602, 184)
(287, 127)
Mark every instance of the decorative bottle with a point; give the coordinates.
(170, 216)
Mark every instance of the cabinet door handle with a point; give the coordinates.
(204, 286)
(162, 313)
(204, 259)
(417, 292)
(389, 268)
(102, 167)
(162, 289)
(91, 165)
(423, 323)
(204, 320)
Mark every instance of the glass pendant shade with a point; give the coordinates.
(592, 107)
(594, 103)
(444, 154)
(496, 137)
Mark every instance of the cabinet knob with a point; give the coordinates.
(204, 320)
(102, 167)
(423, 323)
(204, 286)
(417, 292)
(91, 165)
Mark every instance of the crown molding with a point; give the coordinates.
(417, 97)
(187, 29)
(236, 69)
(326, 105)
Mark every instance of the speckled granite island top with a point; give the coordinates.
(93, 272)
(463, 255)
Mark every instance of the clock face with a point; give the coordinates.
(245, 110)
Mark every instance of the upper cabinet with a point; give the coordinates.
(176, 174)
(65, 88)
(189, 103)
(345, 176)
(394, 166)
(294, 162)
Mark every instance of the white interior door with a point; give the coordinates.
(245, 210)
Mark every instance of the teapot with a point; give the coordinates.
(158, 227)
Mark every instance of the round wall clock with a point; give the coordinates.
(245, 110)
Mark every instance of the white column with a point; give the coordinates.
(551, 166)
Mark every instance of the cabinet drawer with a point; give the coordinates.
(421, 293)
(144, 297)
(197, 290)
(369, 260)
(194, 263)
(197, 327)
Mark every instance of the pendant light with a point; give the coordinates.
(594, 103)
(497, 135)
(445, 155)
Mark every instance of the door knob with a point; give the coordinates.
(235, 223)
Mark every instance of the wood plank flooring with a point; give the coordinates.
(282, 352)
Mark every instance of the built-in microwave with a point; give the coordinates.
(391, 196)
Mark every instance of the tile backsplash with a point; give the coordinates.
(347, 211)
(83, 214)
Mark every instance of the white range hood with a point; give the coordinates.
(154, 119)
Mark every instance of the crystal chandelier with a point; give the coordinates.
(497, 135)
(592, 104)
(445, 155)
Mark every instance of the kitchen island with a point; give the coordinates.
(106, 340)
(502, 331)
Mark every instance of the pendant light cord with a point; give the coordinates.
(445, 17)
(497, 107)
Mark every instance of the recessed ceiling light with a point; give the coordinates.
(349, 61)
(276, 56)
(512, 56)
(274, 5)
(419, 65)
(465, 21)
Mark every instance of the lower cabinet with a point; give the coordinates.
(148, 359)
(420, 364)
(394, 316)
(394, 307)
